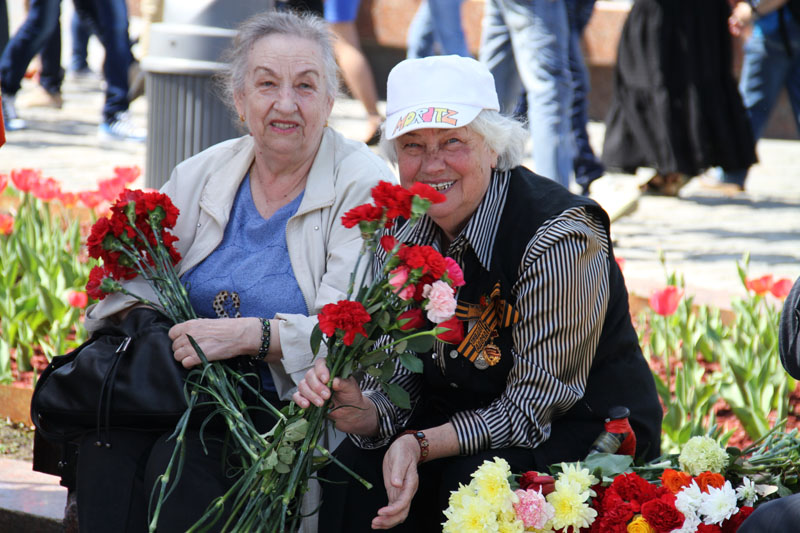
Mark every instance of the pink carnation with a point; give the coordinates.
(397, 278)
(533, 509)
(441, 303)
(454, 272)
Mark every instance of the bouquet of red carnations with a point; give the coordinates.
(410, 299)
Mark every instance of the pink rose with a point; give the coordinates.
(399, 277)
(441, 303)
(454, 272)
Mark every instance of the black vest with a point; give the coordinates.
(619, 374)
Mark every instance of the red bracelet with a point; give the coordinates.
(422, 440)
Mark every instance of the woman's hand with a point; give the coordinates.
(350, 412)
(219, 338)
(740, 18)
(401, 480)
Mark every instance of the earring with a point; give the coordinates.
(241, 117)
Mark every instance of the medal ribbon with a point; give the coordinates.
(496, 314)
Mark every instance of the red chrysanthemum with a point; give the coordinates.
(346, 316)
(394, 198)
(361, 213)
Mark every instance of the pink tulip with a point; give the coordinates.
(780, 289)
(77, 299)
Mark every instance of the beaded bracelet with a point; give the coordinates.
(265, 338)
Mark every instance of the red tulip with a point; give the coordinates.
(760, 285)
(25, 178)
(620, 262)
(6, 224)
(780, 289)
(665, 301)
(77, 299)
(3, 182)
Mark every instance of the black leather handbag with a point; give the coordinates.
(123, 377)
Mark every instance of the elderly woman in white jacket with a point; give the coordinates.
(263, 250)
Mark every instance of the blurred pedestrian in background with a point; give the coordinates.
(436, 29)
(675, 106)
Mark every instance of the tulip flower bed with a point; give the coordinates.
(710, 374)
(43, 267)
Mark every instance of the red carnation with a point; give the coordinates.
(96, 277)
(388, 243)
(423, 257)
(708, 528)
(94, 243)
(345, 315)
(394, 198)
(361, 213)
(456, 331)
(414, 317)
(662, 514)
(426, 192)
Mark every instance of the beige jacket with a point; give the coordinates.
(322, 251)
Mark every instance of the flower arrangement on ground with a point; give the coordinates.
(412, 294)
(703, 489)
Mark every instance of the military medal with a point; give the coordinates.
(491, 353)
(481, 363)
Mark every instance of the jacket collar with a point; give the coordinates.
(224, 179)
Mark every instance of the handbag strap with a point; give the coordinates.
(106, 391)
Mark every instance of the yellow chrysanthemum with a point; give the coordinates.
(490, 482)
(640, 525)
(510, 526)
(581, 476)
(569, 504)
(475, 516)
(457, 497)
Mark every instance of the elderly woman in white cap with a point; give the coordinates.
(548, 346)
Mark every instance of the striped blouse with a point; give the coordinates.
(562, 296)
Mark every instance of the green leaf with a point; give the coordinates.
(420, 344)
(316, 339)
(411, 362)
(609, 464)
(296, 430)
(401, 347)
(387, 370)
(398, 395)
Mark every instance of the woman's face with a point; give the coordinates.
(456, 162)
(284, 101)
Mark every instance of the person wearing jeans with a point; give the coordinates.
(40, 33)
(585, 164)
(109, 21)
(525, 45)
(771, 62)
(436, 28)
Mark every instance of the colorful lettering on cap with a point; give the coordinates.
(428, 115)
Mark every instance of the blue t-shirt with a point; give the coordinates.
(249, 273)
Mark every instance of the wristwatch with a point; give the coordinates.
(422, 440)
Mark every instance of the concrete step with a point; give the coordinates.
(30, 502)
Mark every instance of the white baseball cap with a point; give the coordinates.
(437, 92)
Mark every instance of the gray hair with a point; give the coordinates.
(305, 26)
(503, 135)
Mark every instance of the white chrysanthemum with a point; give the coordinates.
(688, 500)
(701, 454)
(569, 506)
(474, 516)
(690, 523)
(747, 493)
(581, 476)
(719, 504)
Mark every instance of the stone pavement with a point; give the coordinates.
(700, 234)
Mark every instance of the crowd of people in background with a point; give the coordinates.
(675, 107)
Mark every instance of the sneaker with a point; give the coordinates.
(10, 118)
(41, 97)
(712, 184)
(121, 128)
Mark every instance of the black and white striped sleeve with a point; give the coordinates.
(562, 296)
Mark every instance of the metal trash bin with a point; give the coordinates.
(184, 114)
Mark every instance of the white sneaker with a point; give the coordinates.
(121, 128)
(10, 118)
